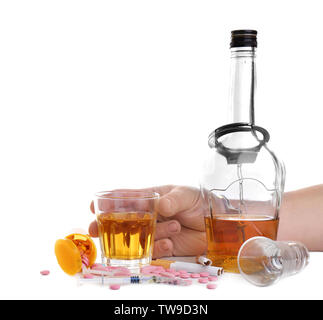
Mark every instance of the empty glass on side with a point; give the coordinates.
(263, 262)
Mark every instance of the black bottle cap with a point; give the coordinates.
(243, 38)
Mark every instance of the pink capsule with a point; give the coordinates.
(184, 276)
(88, 276)
(44, 272)
(195, 275)
(204, 274)
(203, 280)
(211, 286)
(114, 286)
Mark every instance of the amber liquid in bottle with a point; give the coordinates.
(225, 235)
(126, 236)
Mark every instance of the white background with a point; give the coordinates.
(103, 94)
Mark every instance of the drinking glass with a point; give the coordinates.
(126, 224)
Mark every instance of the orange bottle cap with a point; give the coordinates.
(68, 256)
(69, 252)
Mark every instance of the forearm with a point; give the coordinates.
(301, 217)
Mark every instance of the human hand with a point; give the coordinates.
(180, 229)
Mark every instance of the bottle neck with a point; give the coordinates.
(243, 85)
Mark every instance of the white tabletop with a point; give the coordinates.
(31, 285)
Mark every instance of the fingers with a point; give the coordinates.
(177, 200)
(93, 229)
(189, 243)
(167, 229)
(163, 248)
(92, 206)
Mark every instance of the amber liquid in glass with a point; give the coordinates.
(127, 236)
(226, 234)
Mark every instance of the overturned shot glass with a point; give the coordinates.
(263, 262)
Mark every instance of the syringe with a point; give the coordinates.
(134, 279)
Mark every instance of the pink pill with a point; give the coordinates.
(88, 276)
(213, 278)
(182, 271)
(114, 286)
(167, 274)
(100, 267)
(203, 280)
(171, 270)
(158, 271)
(147, 269)
(204, 274)
(44, 272)
(123, 269)
(146, 273)
(176, 274)
(85, 261)
(121, 274)
(195, 275)
(211, 286)
(184, 276)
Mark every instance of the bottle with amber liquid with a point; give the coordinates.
(242, 180)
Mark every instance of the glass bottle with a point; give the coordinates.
(264, 262)
(242, 180)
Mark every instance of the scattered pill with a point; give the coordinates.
(167, 274)
(85, 259)
(123, 269)
(44, 272)
(213, 278)
(211, 286)
(88, 276)
(96, 265)
(121, 274)
(114, 286)
(204, 274)
(182, 271)
(100, 267)
(147, 268)
(184, 276)
(195, 275)
(158, 271)
(171, 270)
(203, 280)
(154, 274)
